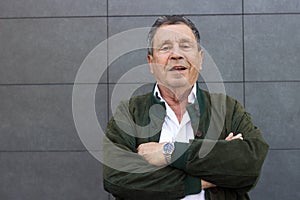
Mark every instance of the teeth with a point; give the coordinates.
(179, 68)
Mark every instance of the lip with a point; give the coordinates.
(178, 68)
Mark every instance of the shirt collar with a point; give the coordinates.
(191, 98)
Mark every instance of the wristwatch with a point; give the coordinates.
(168, 149)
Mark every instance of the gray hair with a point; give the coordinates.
(170, 20)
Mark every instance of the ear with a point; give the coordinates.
(150, 62)
(201, 54)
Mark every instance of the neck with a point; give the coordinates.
(177, 99)
(174, 95)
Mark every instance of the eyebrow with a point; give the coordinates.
(165, 42)
(183, 40)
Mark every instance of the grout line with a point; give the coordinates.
(189, 15)
(48, 84)
(43, 151)
(284, 149)
(53, 17)
(83, 151)
(107, 60)
(113, 83)
(51, 151)
(273, 13)
(275, 81)
(243, 49)
(212, 14)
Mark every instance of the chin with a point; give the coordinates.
(178, 84)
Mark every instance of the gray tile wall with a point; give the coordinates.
(254, 44)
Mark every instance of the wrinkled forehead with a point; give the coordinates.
(174, 32)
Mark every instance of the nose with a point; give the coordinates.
(176, 54)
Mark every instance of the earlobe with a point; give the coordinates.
(201, 54)
(201, 59)
(150, 59)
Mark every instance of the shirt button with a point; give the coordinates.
(196, 107)
(199, 133)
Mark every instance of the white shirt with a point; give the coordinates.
(171, 129)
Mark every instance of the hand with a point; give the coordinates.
(231, 137)
(152, 152)
(206, 184)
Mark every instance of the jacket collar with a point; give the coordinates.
(199, 111)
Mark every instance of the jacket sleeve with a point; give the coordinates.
(128, 176)
(232, 164)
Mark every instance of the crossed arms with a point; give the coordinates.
(135, 168)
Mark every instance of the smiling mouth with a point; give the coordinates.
(178, 68)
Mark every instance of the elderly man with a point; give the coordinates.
(178, 141)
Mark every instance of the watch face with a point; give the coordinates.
(168, 148)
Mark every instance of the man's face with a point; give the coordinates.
(176, 61)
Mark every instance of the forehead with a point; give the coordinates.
(174, 31)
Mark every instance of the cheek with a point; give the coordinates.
(196, 61)
(161, 59)
(160, 64)
(157, 69)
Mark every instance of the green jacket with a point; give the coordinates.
(234, 166)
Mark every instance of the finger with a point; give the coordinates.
(234, 138)
(229, 136)
(238, 136)
(141, 146)
(140, 149)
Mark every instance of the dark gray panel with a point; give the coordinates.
(221, 38)
(119, 92)
(127, 64)
(117, 25)
(133, 57)
(267, 6)
(46, 8)
(271, 47)
(40, 117)
(50, 175)
(276, 111)
(156, 7)
(234, 90)
(280, 176)
(47, 50)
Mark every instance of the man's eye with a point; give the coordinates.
(186, 46)
(165, 48)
